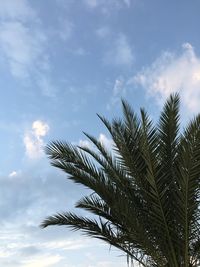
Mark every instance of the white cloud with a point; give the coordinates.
(84, 143)
(33, 146)
(120, 54)
(107, 142)
(40, 128)
(13, 174)
(173, 73)
(33, 139)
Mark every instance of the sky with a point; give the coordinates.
(61, 62)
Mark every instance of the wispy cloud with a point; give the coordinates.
(173, 72)
(21, 47)
(121, 53)
(118, 91)
(33, 139)
(24, 43)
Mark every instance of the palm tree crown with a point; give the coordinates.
(145, 193)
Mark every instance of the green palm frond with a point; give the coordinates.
(145, 192)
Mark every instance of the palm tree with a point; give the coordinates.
(145, 193)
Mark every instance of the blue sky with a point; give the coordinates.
(61, 62)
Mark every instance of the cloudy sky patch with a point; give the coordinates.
(60, 64)
(33, 139)
(173, 72)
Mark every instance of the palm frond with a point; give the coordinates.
(145, 192)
